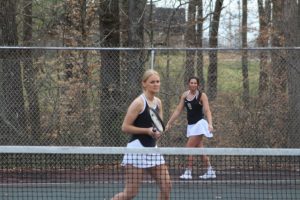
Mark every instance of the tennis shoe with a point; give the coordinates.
(210, 174)
(187, 174)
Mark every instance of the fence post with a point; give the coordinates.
(152, 58)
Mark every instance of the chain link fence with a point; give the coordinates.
(78, 96)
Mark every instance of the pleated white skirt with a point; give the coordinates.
(200, 128)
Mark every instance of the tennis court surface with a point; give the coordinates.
(96, 173)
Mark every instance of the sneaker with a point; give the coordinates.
(210, 174)
(187, 174)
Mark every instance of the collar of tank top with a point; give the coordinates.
(190, 96)
(152, 103)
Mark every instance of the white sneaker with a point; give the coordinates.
(187, 174)
(210, 174)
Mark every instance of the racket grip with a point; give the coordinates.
(154, 129)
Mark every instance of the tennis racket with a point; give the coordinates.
(156, 121)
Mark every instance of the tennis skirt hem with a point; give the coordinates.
(141, 160)
(200, 128)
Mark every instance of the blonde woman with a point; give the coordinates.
(138, 124)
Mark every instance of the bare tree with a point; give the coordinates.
(193, 38)
(86, 19)
(245, 54)
(292, 36)
(264, 12)
(124, 23)
(199, 38)
(279, 76)
(30, 76)
(110, 71)
(212, 75)
(12, 109)
(190, 40)
(78, 21)
(135, 59)
(166, 75)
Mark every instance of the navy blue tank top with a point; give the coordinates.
(144, 121)
(194, 109)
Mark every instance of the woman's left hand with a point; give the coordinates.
(210, 128)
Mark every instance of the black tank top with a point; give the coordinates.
(144, 121)
(194, 109)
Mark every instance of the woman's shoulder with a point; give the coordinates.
(138, 101)
(203, 95)
(185, 94)
(157, 101)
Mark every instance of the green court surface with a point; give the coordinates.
(87, 173)
(193, 189)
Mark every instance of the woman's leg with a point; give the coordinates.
(205, 158)
(210, 172)
(193, 141)
(134, 177)
(161, 175)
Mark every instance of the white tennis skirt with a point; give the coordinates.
(200, 128)
(141, 160)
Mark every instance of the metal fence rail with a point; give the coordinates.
(78, 96)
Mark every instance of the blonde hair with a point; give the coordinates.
(147, 74)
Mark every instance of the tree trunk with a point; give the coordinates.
(190, 40)
(136, 58)
(124, 24)
(199, 38)
(245, 55)
(263, 39)
(74, 101)
(30, 77)
(279, 76)
(278, 84)
(292, 36)
(213, 55)
(85, 24)
(167, 86)
(110, 73)
(12, 109)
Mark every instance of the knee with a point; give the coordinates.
(131, 193)
(169, 188)
(205, 158)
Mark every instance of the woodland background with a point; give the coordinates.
(69, 68)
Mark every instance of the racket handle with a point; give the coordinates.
(154, 129)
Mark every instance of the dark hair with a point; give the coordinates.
(198, 82)
(196, 78)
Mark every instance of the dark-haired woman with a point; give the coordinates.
(197, 106)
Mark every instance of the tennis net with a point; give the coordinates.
(36, 172)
